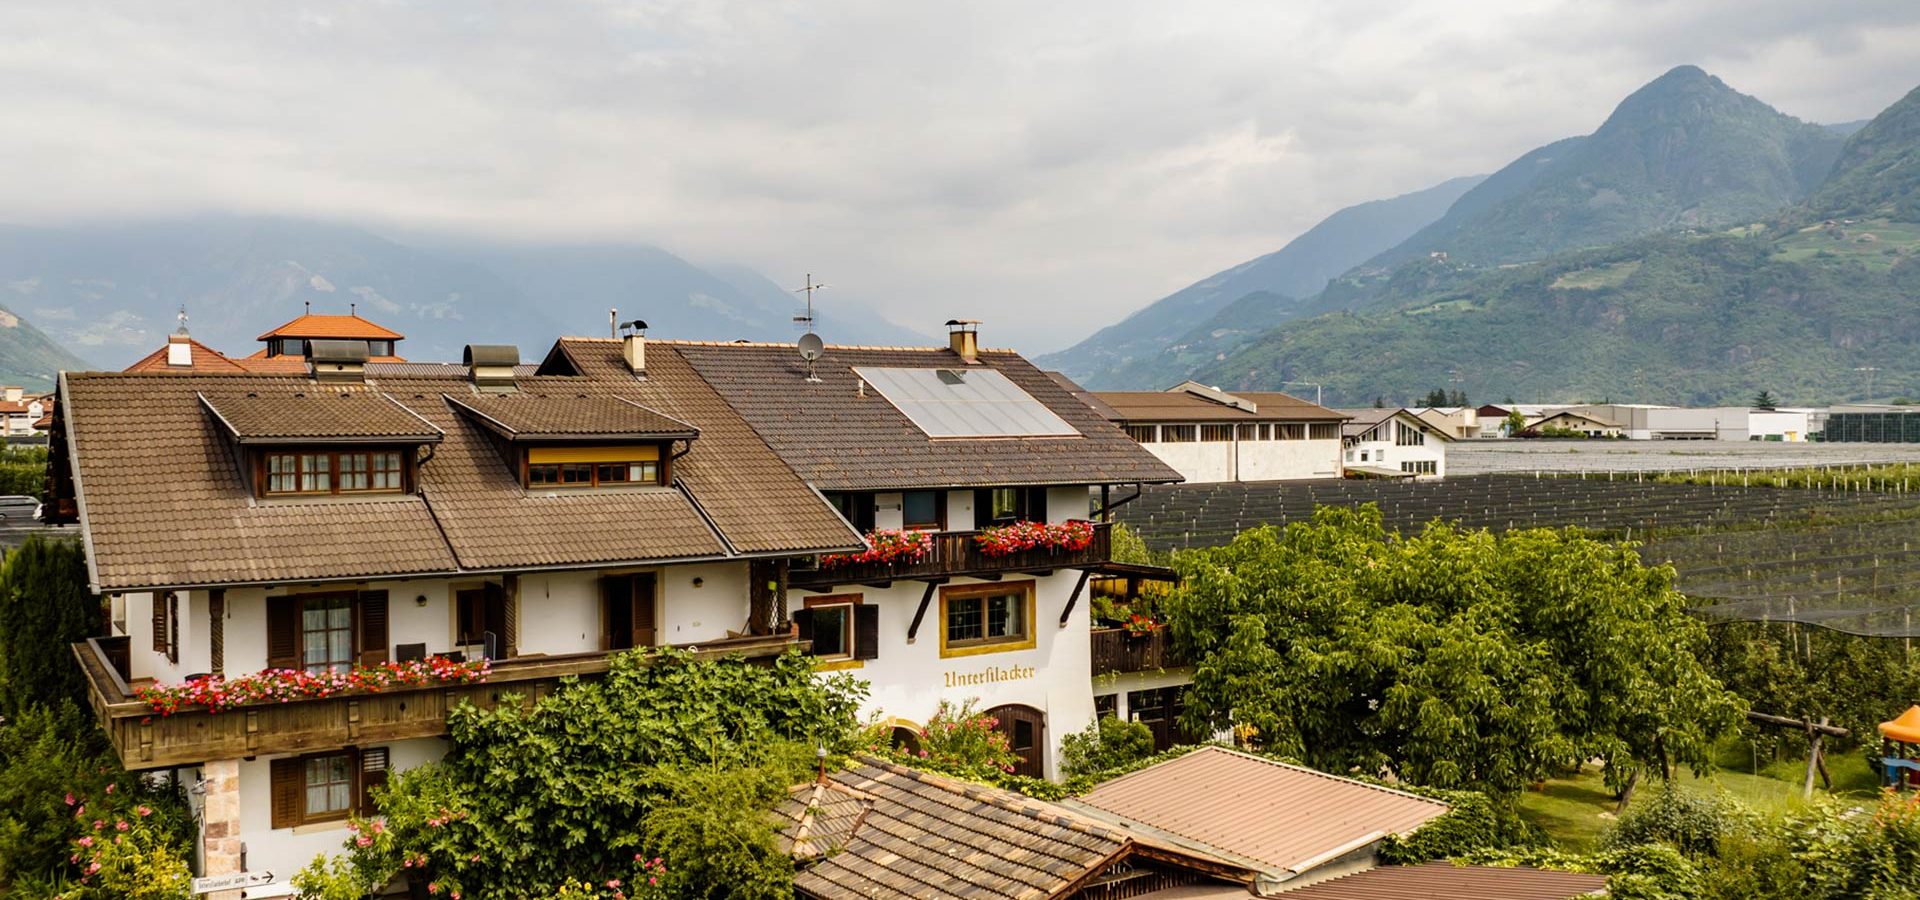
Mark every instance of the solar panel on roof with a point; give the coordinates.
(962, 403)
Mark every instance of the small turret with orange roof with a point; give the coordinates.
(290, 340)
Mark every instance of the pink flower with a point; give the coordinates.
(69, 798)
(109, 788)
(121, 824)
(85, 841)
(613, 883)
(433, 887)
(145, 811)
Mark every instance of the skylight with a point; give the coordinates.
(965, 403)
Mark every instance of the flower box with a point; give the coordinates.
(1019, 537)
(216, 693)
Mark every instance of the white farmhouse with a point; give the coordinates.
(1393, 443)
(1209, 435)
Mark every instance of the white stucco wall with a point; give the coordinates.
(1387, 454)
(908, 681)
(1215, 461)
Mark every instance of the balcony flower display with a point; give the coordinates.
(1138, 624)
(216, 693)
(885, 545)
(1007, 540)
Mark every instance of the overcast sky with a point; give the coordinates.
(1045, 167)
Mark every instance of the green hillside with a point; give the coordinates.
(1795, 305)
(1686, 150)
(29, 358)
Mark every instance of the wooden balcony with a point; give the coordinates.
(1119, 650)
(146, 740)
(955, 553)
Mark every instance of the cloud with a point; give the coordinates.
(1045, 167)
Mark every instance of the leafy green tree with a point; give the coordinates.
(1450, 658)
(1435, 397)
(1110, 743)
(1764, 400)
(1515, 423)
(667, 757)
(45, 602)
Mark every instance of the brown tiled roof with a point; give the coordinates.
(290, 364)
(839, 438)
(206, 360)
(164, 505)
(820, 818)
(351, 328)
(316, 413)
(1283, 816)
(569, 416)
(1181, 406)
(1444, 879)
(930, 836)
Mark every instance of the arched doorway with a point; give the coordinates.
(1026, 731)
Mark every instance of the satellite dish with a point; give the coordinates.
(810, 346)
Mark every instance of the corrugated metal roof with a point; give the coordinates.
(1184, 406)
(1285, 816)
(1444, 879)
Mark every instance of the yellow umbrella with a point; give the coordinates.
(1905, 729)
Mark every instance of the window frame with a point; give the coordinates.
(348, 759)
(350, 603)
(592, 471)
(1144, 434)
(1180, 434)
(939, 521)
(842, 604)
(1026, 640)
(401, 472)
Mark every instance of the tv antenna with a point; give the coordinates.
(807, 318)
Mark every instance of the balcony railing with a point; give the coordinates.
(147, 740)
(957, 553)
(1120, 650)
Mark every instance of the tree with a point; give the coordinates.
(1764, 400)
(1450, 658)
(1514, 423)
(1109, 743)
(1379, 401)
(45, 602)
(1435, 397)
(668, 756)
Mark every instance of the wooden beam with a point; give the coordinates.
(1074, 598)
(921, 612)
(1797, 724)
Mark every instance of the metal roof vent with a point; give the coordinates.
(490, 366)
(337, 360)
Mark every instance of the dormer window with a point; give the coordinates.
(580, 441)
(588, 467)
(335, 472)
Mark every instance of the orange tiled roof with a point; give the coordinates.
(205, 360)
(259, 363)
(351, 328)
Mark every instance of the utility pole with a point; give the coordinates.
(1869, 370)
(1316, 389)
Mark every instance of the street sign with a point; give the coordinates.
(232, 882)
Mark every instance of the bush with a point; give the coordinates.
(1473, 822)
(961, 739)
(1109, 743)
(23, 470)
(1693, 823)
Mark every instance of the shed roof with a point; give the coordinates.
(1444, 879)
(1187, 406)
(1285, 817)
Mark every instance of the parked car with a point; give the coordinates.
(16, 506)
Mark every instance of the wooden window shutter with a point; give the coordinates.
(1036, 505)
(510, 624)
(373, 627)
(283, 632)
(159, 616)
(803, 623)
(644, 627)
(373, 773)
(288, 777)
(173, 627)
(982, 508)
(866, 631)
(217, 631)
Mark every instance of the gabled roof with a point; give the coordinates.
(205, 360)
(316, 415)
(1361, 421)
(841, 434)
(526, 417)
(346, 327)
(925, 835)
(1181, 405)
(1284, 818)
(163, 503)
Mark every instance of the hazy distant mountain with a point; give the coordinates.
(1298, 270)
(1796, 305)
(111, 292)
(29, 358)
(1686, 150)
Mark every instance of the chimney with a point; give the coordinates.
(332, 360)
(490, 367)
(633, 346)
(963, 338)
(179, 351)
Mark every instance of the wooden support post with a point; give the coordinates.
(1078, 587)
(921, 613)
(1813, 759)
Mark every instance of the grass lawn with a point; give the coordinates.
(1577, 809)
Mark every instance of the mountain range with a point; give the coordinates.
(109, 293)
(1680, 252)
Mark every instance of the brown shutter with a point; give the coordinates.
(217, 631)
(283, 632)
(159, 616)
(373, 627)
(1036, 505)
(173, 628)
(982, 508)
(510, 627)
(373, 773)
(866, 631)
(287, 777)
(644, 627)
